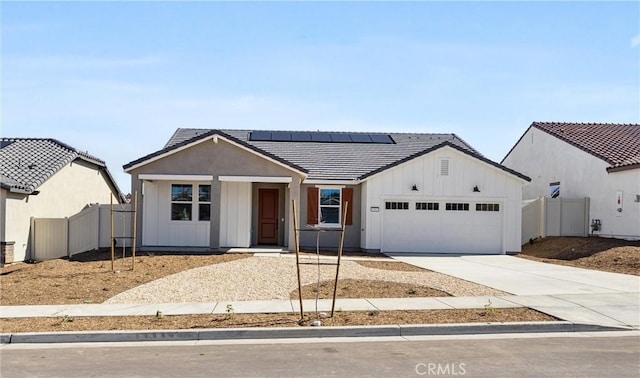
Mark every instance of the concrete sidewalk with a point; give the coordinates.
(573, 294)
(380, 304)
(585, 300)
(256, 307)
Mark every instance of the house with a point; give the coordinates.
(600, 161)
(45, 178)
(217, 189)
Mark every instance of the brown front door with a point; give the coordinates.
(267, 216)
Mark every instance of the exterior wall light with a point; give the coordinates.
(476, 189)
(414, 188)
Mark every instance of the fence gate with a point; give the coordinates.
(555, 217)
(49, 238)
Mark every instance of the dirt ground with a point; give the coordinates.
(375, 289)
(610, 255)
(88, 278)
(350, 318)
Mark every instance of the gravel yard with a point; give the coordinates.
(264, 278)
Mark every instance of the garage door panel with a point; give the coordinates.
(442, 231)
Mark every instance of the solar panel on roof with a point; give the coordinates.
(320, 137)
(381, 138)
(260, 136)
(361, 138)
(340, 138)
(301, 137)
(281, 136)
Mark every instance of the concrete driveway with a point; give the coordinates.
(573, 294)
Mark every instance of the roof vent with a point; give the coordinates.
(444, 167)
(32, 166)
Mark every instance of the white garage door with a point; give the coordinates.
(442, 226)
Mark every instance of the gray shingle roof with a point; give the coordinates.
(331, 161)
(26, 163)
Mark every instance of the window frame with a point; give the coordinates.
(428, 206)
(180, 202)
(396, 205)
(338, 206)
(488, 207)
(456, 206)
(194, 202)
(200, 203)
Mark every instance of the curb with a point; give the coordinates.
(294, 333)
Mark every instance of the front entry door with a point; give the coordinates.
(267, 216)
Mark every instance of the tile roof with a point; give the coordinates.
(26, 163)
(615, 143)
(331, 161)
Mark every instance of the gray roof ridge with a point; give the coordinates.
(312, 131)
(470, 147)
(446, 143)
(207, 133)
(85, 155)
(72, 154)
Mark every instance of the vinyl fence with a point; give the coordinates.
(90, 229)
(555, 217)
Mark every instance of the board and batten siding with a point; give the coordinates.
(464, 172)
(235, 214)
(159, 229)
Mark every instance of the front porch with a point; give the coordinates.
(218, 213)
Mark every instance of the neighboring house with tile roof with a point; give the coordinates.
(600, 161)
(45, 178)
(216, 189)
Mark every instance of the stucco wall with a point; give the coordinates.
(3, 213)
(547, 159)
(330, 239)
(63, 195)
(465, 172)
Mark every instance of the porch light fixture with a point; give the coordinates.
(414, 188)
(476, 189)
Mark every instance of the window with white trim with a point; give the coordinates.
(181, 202)
(204, 202)
(187, 207)
(330, 205)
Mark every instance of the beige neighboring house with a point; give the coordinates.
(45, 178)
(599, 161)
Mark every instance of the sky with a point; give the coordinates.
(117, 79)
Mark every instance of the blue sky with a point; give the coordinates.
(117, 78)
